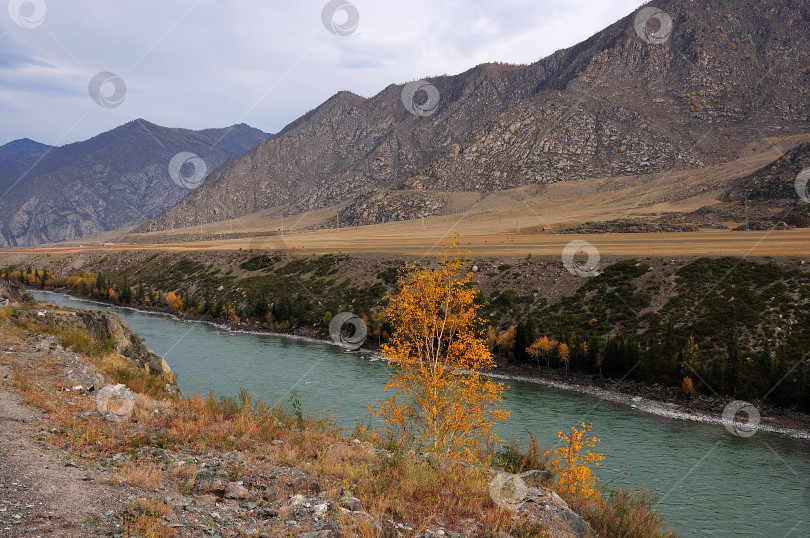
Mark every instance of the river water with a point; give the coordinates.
(709, 482)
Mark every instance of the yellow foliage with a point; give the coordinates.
(575, 480)
(173, 301)
(441, 402)
(564, 353)
(541, 348)
(229, 313)
(687, 387)
(506, 340)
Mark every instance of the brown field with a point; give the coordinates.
(513, 222)
(360, 240)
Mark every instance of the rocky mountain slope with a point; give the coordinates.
(620, 103)
(115, 179)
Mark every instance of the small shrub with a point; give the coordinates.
(80, 341)
(629, 514)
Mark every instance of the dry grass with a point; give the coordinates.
(144, 517)
(629, 514)
(144, 476)
(407, 487)
(119, 368)
(6, 312)
(80, 341)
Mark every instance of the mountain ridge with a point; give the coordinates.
(611, 105)
(114, 179)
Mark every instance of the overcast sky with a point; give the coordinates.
(213, 63)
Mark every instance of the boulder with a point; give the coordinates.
(351, 503)
(14, 292)
(235, 490)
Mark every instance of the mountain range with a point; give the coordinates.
(116, 179)
(683, 84)
(616, 104)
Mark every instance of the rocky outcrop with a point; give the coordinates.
(108, 327)
(11, 291)
(105, 325)
(538, 505)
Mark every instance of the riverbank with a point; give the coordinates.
(662, 401)
(172, 466)
(657, 400)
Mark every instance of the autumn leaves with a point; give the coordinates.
(441, 403)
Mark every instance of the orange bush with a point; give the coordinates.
(174, 301)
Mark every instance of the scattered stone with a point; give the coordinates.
(235, 490)
(351, 503)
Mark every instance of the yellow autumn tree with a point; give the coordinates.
(565, 355)
(174, 301)
(541, 348)
(441, 404)
(575, 481)
(506, 340)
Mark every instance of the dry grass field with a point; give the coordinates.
(513, 222)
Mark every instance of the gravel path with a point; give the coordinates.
(41, 495)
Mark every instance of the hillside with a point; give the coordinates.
(16, 157)
(115, 179)
(614, 105)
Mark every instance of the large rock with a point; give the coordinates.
(110, 325)
(540, 506)
(14, 292)
(544, 505)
